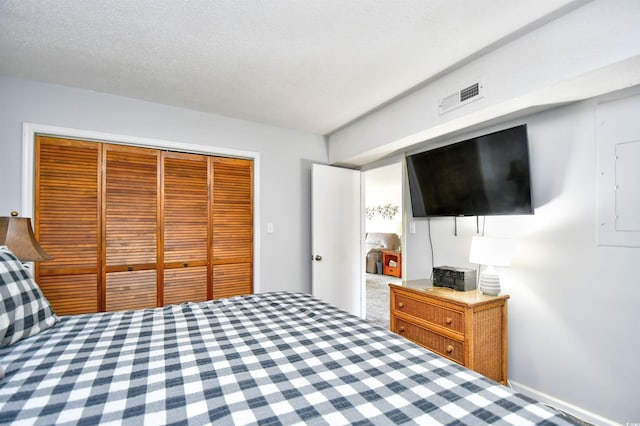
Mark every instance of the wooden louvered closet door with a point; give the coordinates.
(134, 228)
(130, 211)
(67, 200)
(232, 227)
(186, 228)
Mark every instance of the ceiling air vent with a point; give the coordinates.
(461, 97)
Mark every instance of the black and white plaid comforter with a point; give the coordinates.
(276, 358)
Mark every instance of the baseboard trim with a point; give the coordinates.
(559, 404)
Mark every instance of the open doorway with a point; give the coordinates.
(383, 230)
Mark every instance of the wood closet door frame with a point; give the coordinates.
(30, 130)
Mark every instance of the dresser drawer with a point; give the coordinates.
(443, 345)
(447, 318)
(392, 270)
(465, 326)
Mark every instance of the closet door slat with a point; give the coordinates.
(131, 290)
(131, 205)
(185, 284)
(232, 280)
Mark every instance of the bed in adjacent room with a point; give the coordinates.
(273, 358)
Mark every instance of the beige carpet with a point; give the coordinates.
(378, 298)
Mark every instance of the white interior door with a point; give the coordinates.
(336, 236)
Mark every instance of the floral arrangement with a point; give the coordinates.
(387, 211)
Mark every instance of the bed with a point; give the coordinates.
(278, 358)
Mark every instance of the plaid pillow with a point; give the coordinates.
(24, 311)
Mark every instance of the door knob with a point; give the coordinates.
(318, 258)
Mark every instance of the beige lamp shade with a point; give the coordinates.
(17, 234)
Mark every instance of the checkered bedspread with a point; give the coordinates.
(275, 358)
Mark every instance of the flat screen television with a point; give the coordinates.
(482, 176)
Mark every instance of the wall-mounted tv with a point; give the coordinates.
(482, 176)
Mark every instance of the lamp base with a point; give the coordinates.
(490, 283)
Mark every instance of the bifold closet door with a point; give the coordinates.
(131, 211)
(232, 227)
(134, 228)
(67, 200)
(186, 224)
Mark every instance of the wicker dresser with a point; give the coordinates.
(464, 326)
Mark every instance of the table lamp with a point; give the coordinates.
(17, 234)
(490, 252)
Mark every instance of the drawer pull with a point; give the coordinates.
(449, 349)
(400, 305)
(448, 320)
(401, 329)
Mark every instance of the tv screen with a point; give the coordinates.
(486, 175)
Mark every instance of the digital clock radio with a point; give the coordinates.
(460, 279)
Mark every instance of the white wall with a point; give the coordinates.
(383, 185)
(592, 50)
(574, 321)
(285, 159)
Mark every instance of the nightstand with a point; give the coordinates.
(465, 326)
(392, 263)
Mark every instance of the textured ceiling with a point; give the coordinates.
(311, 65)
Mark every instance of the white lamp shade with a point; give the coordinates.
(491, 251)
